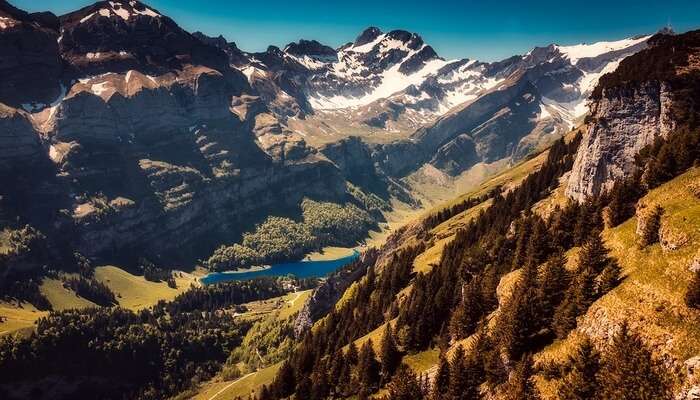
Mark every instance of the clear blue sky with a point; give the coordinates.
(485, 30)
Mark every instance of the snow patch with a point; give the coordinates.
(7, 23)
(367, 47)
(576, 52)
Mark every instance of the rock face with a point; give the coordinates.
(155, 147)
(632, 106)
(624, 121)
(30, 64)
(325, 296)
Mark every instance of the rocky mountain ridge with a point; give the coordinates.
(136, 131)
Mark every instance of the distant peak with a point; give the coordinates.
(666, 30)
(367, 36)
(309, 48)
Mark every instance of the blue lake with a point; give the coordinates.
(300, 269)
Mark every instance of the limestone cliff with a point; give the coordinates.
(649, 95)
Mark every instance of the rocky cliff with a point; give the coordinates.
(152, 144)
(648, 96)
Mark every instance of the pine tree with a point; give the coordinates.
(520, 319)
(264, 393)
(390, 356)
(351, 355)
(579, 296)
(538, 244)
(650, 233)
(628, 371)
(458, 381)
(494, 371)
(368, 369)
(524, 229)
(520, 385)
(593, 255)
(608, 279)
(580, 382)
(692, 296)
(468, 311)
(552, 286)
(285, 382)
(442, 378)
(404, 385)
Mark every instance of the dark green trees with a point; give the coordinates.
(628, 371)
(390, 355)
(404, 385)
(580, 381)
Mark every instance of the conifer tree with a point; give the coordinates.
(468, 311)
(494, 371)
(650, 233)
(580, 382)
(538, 244)
(368, 369)
(608, 279)
(552, 286)
(464, 376)
(520, 319)
(523, 230)
(390, 356)
(351, 355)
(264, 393)
(628, 371)
(442, 378)
(692, 296)
(579, 296)
(285, 382)
(520, 385)
(458, 380)
(593, 255)
(404, 385)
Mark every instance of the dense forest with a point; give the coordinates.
(280, 238)
(114, 353)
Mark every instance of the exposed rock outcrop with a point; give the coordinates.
(622, 123)
(325, 296)
(633, 106)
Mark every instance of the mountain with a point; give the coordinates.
(136, 134)
(130, 149)
(150, 141)
(451, 115)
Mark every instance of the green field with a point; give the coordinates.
(135, 292)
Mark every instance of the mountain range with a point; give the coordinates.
(131, 124)
(520, 229)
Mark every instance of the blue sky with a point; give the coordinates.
(485, 30)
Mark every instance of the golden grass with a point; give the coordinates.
(423, 361)
(62, 298)
(650, 298)
(135, 292)
(16, 317)
(244, 386)
(330, 253)
(293, 303)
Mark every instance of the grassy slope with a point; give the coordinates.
(651, 296)
(135, 292)
(279, 308)
(62, 298)
(16, 318)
